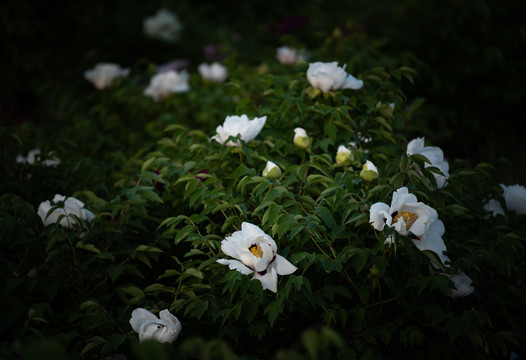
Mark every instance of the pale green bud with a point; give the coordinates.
(369, 172)
(271, 170)
(344, 155)
(301, 139)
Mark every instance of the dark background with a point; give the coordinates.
(470, 57)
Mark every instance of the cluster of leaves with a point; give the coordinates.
(165, 196)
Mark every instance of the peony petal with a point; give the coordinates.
(269, 279)
(379, 215)
(283, 266)
(352, 83)
(236, 265)
(139, 317)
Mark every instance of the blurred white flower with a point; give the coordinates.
(215, 72)
(344, 155)
(494, 208)
(462, 284)
(255, 252)
(301, 139)
(234, 125)
(369, 171)
(362, 141)
(164, 328)
(67, 207)
(289, 56)
(329, 76)
(164, 84)
(34, 156)
(164, 25)
(271, 170)
(103, 74)
(434, 154)
(515, 198)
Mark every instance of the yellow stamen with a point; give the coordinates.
(409, 218)
(256, 250)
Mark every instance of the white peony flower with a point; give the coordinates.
(234, 125)
(329, 76)
(369, 171)
(164, 84)
(271, 170)
(255, 252)
(215, 72)
(164, 25)
(289, 56)
(164, 328)
(34, 156)
(301, 139)
(343, 155)
(434, 154)
(405, 214)
(103, 74)
(68, 207)
(515, 198)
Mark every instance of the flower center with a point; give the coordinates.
(409, 218)
(256, 250)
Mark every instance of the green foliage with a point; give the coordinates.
(165, 195)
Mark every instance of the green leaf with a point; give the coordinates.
(87, 247)
(326, 216)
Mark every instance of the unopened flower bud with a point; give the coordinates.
(301, 139)
(344, 155)
(271, 170)
(369, 172)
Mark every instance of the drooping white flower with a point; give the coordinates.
(271, 170)
(34, 156)
(329, 76)
(301, 139)
(289, 56)
(214, 72)
(255, 252)
(164, 84)
(343, 155)
(234, 125)
(103, 74)
(164, 328)
(68, 207)
(164, 25)
(515, 198)
(369, 171)
(434, 154)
